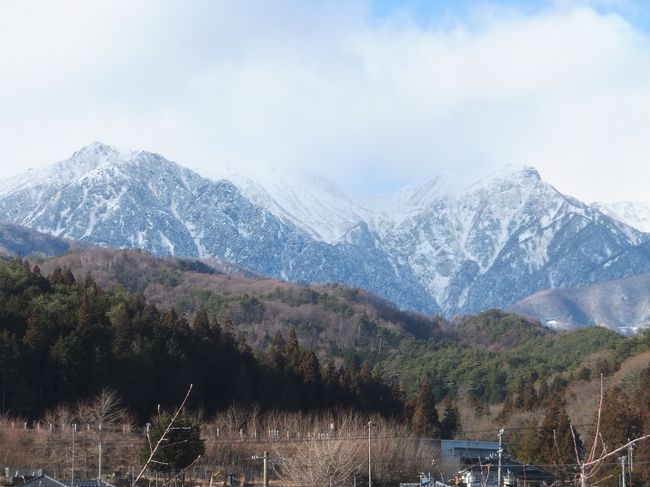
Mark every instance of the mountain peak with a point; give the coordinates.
(521, 169)
(96, 147)
(81, 162)
(100, 152)
(515, 173)
(454, 184)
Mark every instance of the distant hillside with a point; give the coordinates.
(623, 304)
(331, 318)
(498, 331)
(19, 240)
(481, 356)
(485, 356)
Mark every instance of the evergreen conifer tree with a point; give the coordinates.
(181, 446)
(450, 424)
(424, 421)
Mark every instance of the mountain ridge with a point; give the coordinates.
(485, 245)
(621, 304)
(151, 203)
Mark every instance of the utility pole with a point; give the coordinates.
(99, 451)
(266, 469)
(149, 441)
(623, 458)
(630, 456)
(74, 430)
(265, 465)
(499, 452)
(370, 425)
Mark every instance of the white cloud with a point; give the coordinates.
(369, 101)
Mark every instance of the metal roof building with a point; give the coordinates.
(46, 481)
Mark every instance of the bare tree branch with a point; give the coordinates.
(162, 438)
(594, 463)
(181, 472)
(592, 454)
(614, 452)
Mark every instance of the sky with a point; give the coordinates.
(374, 94)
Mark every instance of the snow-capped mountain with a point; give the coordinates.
(636, 214)
(307, 200)
(441, 246)
(500, 238)
(139, 199)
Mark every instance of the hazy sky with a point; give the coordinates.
(373, 94)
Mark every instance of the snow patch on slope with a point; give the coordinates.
(636, 214)
(306, 200)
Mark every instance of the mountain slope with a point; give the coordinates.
(633, 213)
(622, 304)
(497, 240)
(309, 201)
(473, 246)
(257, 305)
(436, 247)
(139, 199)
(19, 240)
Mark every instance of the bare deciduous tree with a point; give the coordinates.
(321, 462)
(598, 454)
(56, 443)
(101, 420)
(336, 448)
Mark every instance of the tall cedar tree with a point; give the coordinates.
(642, 398)
(450, 424)
(292, 350)
(556, 441)
(525, 444)
(424, 421)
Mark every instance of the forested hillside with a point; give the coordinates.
(350, 326)
(331, 318)
(166, 306)
(63, 338)
(489, 354)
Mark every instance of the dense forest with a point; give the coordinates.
(62, 339)
(350, 326)
(147, 327)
